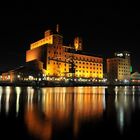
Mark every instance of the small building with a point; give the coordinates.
(135, 77)
(118, 67)
(31, 71)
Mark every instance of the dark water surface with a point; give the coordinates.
(69, 113)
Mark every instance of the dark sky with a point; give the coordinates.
(105, 27)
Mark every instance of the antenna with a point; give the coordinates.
(57, 28)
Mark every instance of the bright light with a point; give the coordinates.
(120, 54)
(18, 91)
(8, 77)
(126, 81)
(31, 77)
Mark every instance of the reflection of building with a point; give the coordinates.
(63, 107)
(118, 67)
(60, 60)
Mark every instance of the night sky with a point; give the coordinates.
(105, 27)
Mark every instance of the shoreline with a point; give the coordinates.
(62, 84)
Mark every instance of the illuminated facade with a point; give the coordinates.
(118, 68)
(64, 61)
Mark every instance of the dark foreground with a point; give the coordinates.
(69, 113)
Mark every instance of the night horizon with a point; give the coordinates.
(104, 30)
(69, 70)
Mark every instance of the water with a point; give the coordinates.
(69, 113)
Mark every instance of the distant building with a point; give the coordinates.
(28, 72)
(135, 77)
(64, 61)
(118, 67)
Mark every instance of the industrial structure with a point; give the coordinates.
(61, 61)
(50, 60)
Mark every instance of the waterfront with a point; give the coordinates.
(69, 113)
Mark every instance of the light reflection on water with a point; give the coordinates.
(18, 91)
(48, 111)
(125, 104)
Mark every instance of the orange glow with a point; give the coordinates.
(57, 61)
(46, 40)
(36, 127)
(59, 105)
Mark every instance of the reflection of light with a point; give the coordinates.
(30, 92)
(133, 102)
(60, 105)
(8, 90)
(116, 90)
(43, 101)
(116, 101)
(104, 103)
(125, 92)
(87, 106)
(39, 95)
(121, 119)
(18, 91)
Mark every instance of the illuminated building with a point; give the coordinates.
(64, 61)
(29, 72)
(118, 67)
(135, 77)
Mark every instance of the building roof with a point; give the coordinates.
(83, 53)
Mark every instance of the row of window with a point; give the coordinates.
(124, 74)
(123, 67)
(76, 66)
(125, 64)
(88, 67)
(88, 63)
(124, 71)
(88, 71)
(116, 60)
(86, 59)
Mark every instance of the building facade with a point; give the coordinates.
(64, 61)
(118, 67)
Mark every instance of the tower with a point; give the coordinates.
(78, 44)
(57, 28)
